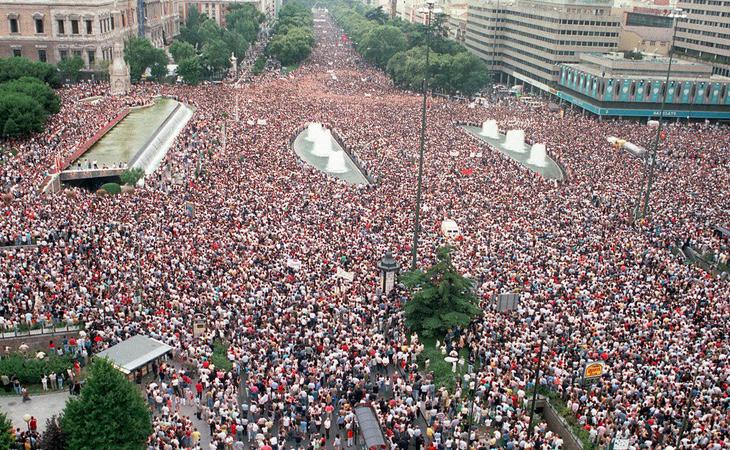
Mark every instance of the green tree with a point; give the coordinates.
(109, 413)
(215, 56)
(441, 299)
(132, 175)
(377, 15)
(244, 20)
(381, 43)
(141, 55)
(20, 114)
(70, 68)
(54, 437)
(181, 50)
(190, 70)
(6, 438)
(14, 68)
(36, 89)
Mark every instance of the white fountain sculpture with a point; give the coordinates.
(538, 156)
(323, 144)
(313, 130)
(515, 141)
(336, 162)
(490, 129)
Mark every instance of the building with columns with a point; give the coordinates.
(51, 30)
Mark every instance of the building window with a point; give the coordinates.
(77, 53)
(14, 25)
(88, 26)
(42, 55)
(17, 53)
(39, 25)
(61, 28)
(111, 19)
(75, 27)
(63, 54)
(92, 57)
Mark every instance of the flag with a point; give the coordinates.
(467, 171)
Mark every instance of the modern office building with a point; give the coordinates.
(612, 85)
(705, 33)
(527, 40)
(51, 30)
(646, 30)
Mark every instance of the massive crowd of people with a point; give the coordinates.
(215, 230)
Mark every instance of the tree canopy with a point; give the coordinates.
(181, 50)
(14, 68)
(6, 439)
(441, 298)
(398, 47)
(141, 55)
(293, 38)
(109, 413)
(70, 68)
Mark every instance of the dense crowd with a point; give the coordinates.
(307, 346)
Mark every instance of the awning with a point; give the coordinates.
(135, 352)
(369, 426)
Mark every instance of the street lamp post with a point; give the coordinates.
(530, 426)
(417, 220)
(675, 15)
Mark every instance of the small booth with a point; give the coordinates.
(135, 356)
(370, 429)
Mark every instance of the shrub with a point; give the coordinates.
(30, 370)
(112, 188)
(132, 176)
(220, 357)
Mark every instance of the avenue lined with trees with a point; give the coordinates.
(399, 48)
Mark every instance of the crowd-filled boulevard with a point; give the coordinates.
(307, 345)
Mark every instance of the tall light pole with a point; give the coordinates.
(417, 220)
(530, 426)
(675, 15)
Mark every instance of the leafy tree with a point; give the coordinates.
(141, 55)
(381, 43)
(20, 114)
(71, 67)
(14, 68)
(181, 50)
(54, 438)
(244, 20)
(109, 413)
(6, 438)
(190, 70)
(131, 176)
(215, 56)
(36, 89)
(441, 298)
(377, 15)
(292, 47)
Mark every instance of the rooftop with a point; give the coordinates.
(135, 352)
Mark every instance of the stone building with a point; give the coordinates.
(50, 30)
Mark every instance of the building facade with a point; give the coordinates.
(217, 10)
(527, 40)
(613, 85)
(705, 33)
(50, 30)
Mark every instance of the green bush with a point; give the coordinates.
(112, 188)
(132, 176)
(30, 370)
(219, 358)
(259, 65)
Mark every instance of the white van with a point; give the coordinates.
(450, 229)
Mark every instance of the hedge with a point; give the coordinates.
(112, 188)
(30, 370)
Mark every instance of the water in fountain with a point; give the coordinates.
(490, 129)
(515, 141)
(314, 129)
(323, 144)
(336, 162)
(538, 156)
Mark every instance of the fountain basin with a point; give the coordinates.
(326, 155)
(551, 170)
